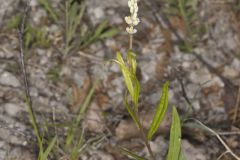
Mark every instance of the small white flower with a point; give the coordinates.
(136, 21)
(128, 20)
(131, 30)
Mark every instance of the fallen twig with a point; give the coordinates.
(228, 150)
(228, 133)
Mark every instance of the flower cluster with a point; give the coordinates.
(132, 20)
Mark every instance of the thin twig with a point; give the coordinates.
(223, 154)
(228, 133)
(228, 150)
(184, 94)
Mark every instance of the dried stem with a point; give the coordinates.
(223, 154)
(228, 133)
(21, 32)
(228, 150)
(22, 58)
(130, 42)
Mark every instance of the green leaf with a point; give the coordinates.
(48, 7)
(49, 148)
(131, 57)
(126, 74)
(186, 47)
(160, 112)
(174, 152)
(129, 74)
(137, 89)
(109, 33)
(131, 112)
(130, 154)
(77, 148)
(72, 129)
(27, 39)
(14, 22)
(100, 28)
(181, 156)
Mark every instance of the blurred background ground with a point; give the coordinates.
(204, 82)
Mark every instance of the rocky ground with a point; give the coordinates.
(204, 83)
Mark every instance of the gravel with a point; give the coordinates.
(8, 79)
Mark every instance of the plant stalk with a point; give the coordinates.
(33, 120)
(130, 42)
(146, 142)
(144, 137)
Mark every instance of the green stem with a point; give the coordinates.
(66, 29)
(35, 127)
(146, 142)
(144, 137)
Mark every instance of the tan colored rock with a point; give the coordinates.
(192, 152)
(94, 119)
(126, 129)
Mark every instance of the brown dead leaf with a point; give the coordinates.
(79, 94)
(102, 99)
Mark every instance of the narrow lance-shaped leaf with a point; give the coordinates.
(160, 112)
(109, 33)
(72, 128)
(137, 89)
(131, 112)
(131, 60)
(48, 7)
(100, 28)
(131, 57)
(49, 148)
(130, 154)
(128, 71)
(174, 152)
(181, 156)
(126, 74)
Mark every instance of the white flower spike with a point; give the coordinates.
(132, 20)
